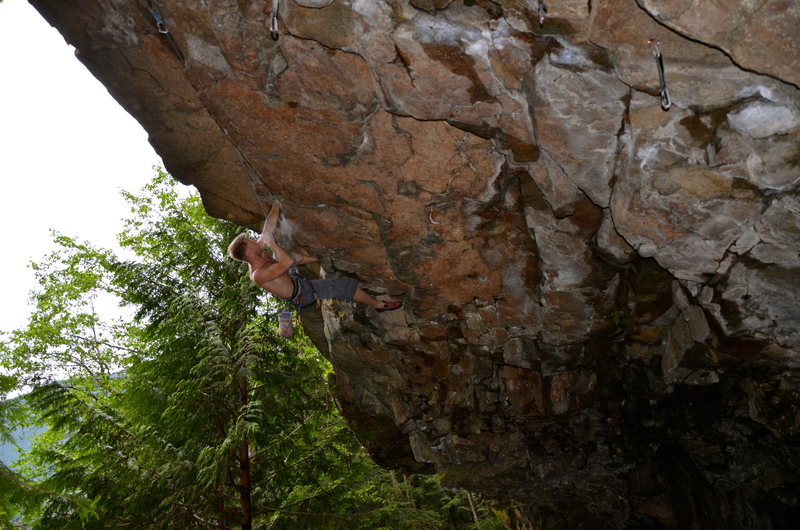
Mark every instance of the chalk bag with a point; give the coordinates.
(285, 325)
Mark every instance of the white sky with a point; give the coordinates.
(66, 149)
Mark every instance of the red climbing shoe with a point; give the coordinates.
(390, 306)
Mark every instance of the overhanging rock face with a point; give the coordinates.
(602, 318)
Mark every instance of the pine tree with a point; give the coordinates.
(191, 412)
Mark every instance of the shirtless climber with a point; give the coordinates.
(278, 275)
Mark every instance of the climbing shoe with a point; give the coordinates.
(390, 306)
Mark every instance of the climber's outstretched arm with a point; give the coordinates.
(270, 223)
(302, 260)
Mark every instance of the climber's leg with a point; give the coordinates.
(364, 298)
(348, 289)
(379, 306)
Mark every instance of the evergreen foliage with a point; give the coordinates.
(189, 412)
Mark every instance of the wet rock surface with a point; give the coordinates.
(601, 318)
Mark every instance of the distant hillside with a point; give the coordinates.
(9, 452)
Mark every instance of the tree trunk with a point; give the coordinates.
(472, 507)
(245, 486)
(409, 491)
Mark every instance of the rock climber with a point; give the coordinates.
(278, 274)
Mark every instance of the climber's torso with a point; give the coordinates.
(282, 286)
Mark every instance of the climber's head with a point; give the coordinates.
(242, 248)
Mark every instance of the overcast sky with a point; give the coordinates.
(66, 149)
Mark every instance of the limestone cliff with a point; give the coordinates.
(601, 315)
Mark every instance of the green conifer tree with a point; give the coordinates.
(191, 412)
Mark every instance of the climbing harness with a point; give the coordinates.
(295, 300)
(273, 23)
(666, 102)
(155, 12)
(542, 12)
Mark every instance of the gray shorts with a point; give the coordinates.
(313, 290)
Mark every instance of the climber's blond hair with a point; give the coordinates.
(236, 249)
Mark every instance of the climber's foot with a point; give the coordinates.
(389, 306)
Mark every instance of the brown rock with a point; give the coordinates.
(566, 101)
(601, 297)
(758, 36)
(332, 25)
